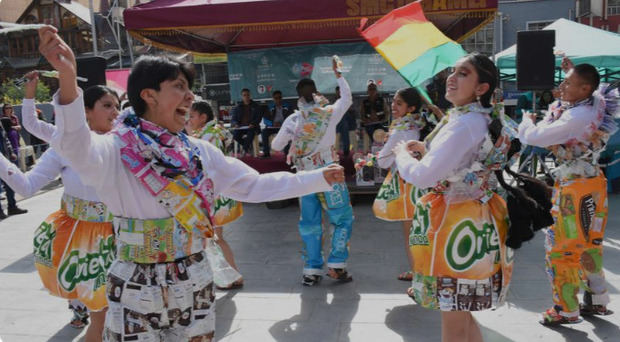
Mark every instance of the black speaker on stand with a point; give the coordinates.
(93, 69)
(535, 60)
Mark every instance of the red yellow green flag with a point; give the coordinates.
(412, 44)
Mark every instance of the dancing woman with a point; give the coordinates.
(74, 246)
(396, 198)
(461, 262)
(160, 186)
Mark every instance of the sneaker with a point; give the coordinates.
(552, 318)
(2, 215)
(594, 310)
(310, 280)
(16, 211)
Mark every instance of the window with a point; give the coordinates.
(613, 7)
(481, 41)
(537, 25)
(584, 8)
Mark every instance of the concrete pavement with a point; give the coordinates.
(273, 306)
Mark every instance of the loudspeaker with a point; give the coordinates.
(535, 59)
(92, 68)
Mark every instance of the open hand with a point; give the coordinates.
(32, 79)
(567, 64)
(56, 51)
(334, 174)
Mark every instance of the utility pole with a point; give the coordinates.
(93, 29)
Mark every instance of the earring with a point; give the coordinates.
(478, 98)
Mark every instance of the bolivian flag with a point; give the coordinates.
(412, 44)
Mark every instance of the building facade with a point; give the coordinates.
(602, 14)
(514, 16)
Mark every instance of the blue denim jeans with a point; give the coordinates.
(337, 205)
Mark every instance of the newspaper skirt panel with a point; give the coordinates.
(72, 258)
(461, 262)
(172, 301)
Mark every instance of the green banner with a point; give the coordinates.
(267, 70)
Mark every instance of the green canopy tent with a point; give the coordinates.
(580, 43)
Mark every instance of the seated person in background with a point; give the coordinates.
(245, 120)
(373, 111)
(273, 119)
(346, 124)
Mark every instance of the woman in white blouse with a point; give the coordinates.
(457, 239)
(82, 227)
(159, 184)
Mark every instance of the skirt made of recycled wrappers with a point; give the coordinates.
(226, 210)
(396, 198)
(73, 249)
(461, 262)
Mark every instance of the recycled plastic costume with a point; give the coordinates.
(74, 246)
(224, 211)
(576, 134)
(160, 187)
(461, 262)
(396, 198)
(312, 130)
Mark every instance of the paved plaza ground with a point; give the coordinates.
(273, 305)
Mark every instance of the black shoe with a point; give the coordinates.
(2, 215)
(16, 211)
(310, 280)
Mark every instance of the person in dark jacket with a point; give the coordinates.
(245, 121)
(273, 119)
(6, 148)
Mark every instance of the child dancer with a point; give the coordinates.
(312, 130)
(203, 125)
(396, 199)
(74, 246)
(160, 186)
(461, 262)
(576, 130)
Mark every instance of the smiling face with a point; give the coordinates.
(101, 117)
(462, 86)
(400, 108)
(196, 120)
(168, 106)
(573, 88)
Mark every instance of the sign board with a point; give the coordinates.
(264, 71)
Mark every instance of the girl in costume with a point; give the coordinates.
(160, 186)
(576, 130)
(202, 125)
(461, 262)
(396, 198)
(78, 237)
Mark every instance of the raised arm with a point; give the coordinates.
(341, 105)
(235, 179)
(90, 155)
(39, 128)
(47, 168)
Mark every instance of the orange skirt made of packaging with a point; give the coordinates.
(225, 211)
(396, 198)
(461, 262)
(72, 257)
